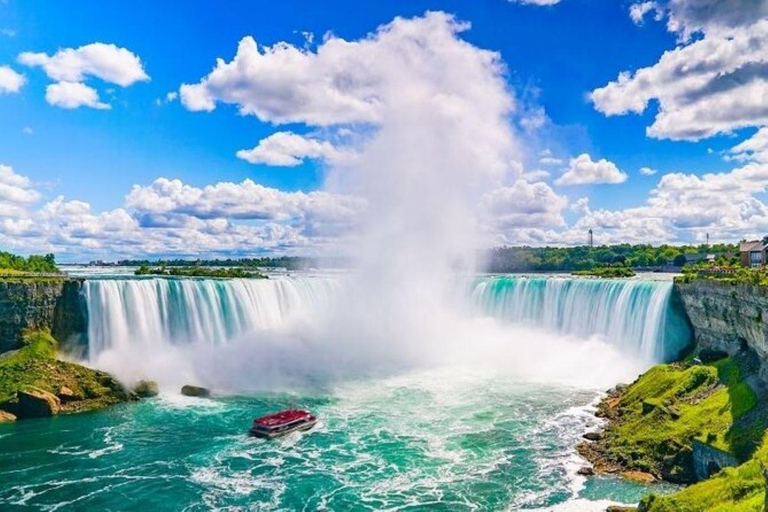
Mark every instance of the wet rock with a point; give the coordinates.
(66, 394)
(585, 471)
(593, 436)
(147, 389)
(6, 417)
(197, 391)
(36, 403)
(639, 476)
(620, 508)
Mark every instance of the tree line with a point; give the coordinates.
(526, 259)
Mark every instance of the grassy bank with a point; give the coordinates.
(653, 422)
(740, 489)
(35, 366)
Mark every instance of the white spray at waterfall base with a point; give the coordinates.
(439, 140)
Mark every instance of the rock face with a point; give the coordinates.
(6, 417)
(728, 317)
(36, 403)
(195, 391)
(45, 303)
(146, 389)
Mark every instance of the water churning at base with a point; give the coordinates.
(633, 316)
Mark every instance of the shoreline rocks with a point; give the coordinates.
(195, 391)
(36, 403)
(146, 389)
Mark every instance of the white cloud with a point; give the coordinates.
(755, 148)
(8, 32)
(105, 61)
(583, 170)
(638, 11)
(581, 205)
(166, 201)
(16, 194)
(548, 160)
(287, 149)
(72, 95)
(690, 16)
(716, 84)
(27, 130)
(647, 171)
(524, 204)
(10, 80)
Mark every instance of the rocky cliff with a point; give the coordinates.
(728, 317)
(53, 304)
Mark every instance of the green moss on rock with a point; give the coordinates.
(34, 367)
(654, 420)
(740, 489)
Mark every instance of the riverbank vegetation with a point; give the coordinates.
(66, 387)
(14, 265)
(219, 273)
(739, 489)
(547, 259)
(730, 274)
(606, 272)
(653, 422)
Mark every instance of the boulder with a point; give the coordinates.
(593, 436)
(197, 391)
(585, 471)
(6, 417)
(147, 389)
(620, 508)
(36, 403)
(66, 394)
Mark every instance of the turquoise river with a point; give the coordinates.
(452, 430)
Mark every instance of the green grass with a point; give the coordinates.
(740, 489)
(35, 365)
(667, 407)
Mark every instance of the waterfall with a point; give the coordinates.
(125, 313)
(146, 318)
(635, 315)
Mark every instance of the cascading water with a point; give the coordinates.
(634, 315)
(124, 313)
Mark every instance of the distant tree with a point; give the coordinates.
(680, 260)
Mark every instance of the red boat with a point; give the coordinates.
(283, 423)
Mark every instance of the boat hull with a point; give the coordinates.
(282, 433)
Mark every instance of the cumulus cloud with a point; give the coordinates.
(165, 202)
(583, 170)
(524, 204)
(754, 148)
(105, 61)
(685, 207)
(71, 95)
(713, 84)
(287, 149)
(638, 11)
(10, 80)
(647, 171)
(690, 16)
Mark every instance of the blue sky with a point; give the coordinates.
(555, 55)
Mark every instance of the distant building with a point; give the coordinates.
(754, 253)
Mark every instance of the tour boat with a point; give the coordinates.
(283, 423)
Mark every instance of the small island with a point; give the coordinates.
(606, 272)
(216, 273)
